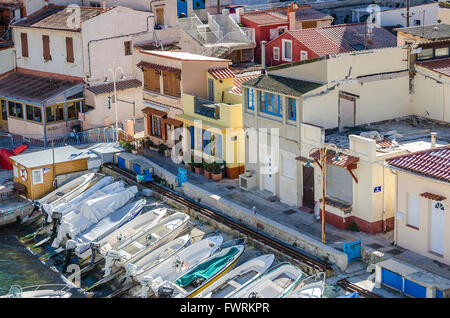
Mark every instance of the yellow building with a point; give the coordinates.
(214, 125)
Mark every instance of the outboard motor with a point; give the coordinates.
(146, 283)
(56, 218)
(70, 248)
(130, 270)
(165, 292)
(110, 257)
(95, 248)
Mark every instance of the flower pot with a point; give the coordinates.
(216, 177)
(199, 170)
(207, 174)
(248, 173)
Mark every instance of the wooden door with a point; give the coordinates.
(308, 187)
(437, 228)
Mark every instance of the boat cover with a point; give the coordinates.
(207, 269)
(351, 295)
(107, 225)
(49, 208)
(92, 211)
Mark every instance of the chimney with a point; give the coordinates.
(433, 139)
(292, 9)
(263, 57)
(104, 5)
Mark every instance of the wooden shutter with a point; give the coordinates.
(151, 80)
(46, 47)
(69, 50)
(24, 40)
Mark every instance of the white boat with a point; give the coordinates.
(156, 256)
(69, 190)
(176, 265)
(92, 211)
(309, 287)
(204, 274)
(107, 225)
(238, 278)
(144, 241)
(39, 291)
(276, 283)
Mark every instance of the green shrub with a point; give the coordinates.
(353, 227)
(162, 148)
(216, 168)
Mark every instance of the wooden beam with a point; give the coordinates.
(349, 168)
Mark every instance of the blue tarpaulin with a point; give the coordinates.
(351, 295)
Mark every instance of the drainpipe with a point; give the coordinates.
(263, 57)
(433, 139)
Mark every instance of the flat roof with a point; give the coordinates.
(45, 157)
(33, 88)
(184, 56)
(428, 31)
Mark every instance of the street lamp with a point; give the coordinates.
(114, 72)
(323, 159)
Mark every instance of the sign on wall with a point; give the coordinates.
(377, 189)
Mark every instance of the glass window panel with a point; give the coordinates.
(425, 54)
(443, 51)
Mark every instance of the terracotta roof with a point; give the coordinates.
(385, 143)
(109, 87)
(431, 196)
(33, 88)
(263, 18)
(434, 163)
(221, 73)
(344, 160)
(153, 111)
(305, 14)
(441, 66)
(158, 67)
(238, 81)
(56, 17)
(316, 42)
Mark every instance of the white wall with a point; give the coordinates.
(34, 5)
(6, 60)
(394, 17)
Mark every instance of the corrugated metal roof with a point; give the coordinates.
(45, 157)
(33, 88)
(283, 85)
(109, 87)
(221, 73)
(434, 162)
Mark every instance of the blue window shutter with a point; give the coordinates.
(267, 100)
(204, 139)
(294, 109)
(219, 146)
(278, 104)
(248, 98)
(192, 137)
(208, 141)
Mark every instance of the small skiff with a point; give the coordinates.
(132, 249)
(309, 287)
(39, 291)
(276, 283)
(205, 273)
(238, 278)
(176, 265)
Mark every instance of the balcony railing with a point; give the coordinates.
(207, 108)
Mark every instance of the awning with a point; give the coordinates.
(173, 122)
(153, 112)
(431, 196)
(221, 73)
(344, 160)
(158, 67)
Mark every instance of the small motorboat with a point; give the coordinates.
(144, 241)
(107, 225)
(204, 274)
(39, 291)
(309, 287)
(276, 283)
(175, 266)
(238, 278)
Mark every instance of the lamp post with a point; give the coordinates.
(323, 160)
(114, 72)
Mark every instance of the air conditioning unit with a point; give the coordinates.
(246, 182)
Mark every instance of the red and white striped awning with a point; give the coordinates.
(221, 73)
(237, 83)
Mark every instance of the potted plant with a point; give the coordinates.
(191, 164)
(216, 172)
(207, 170)
(198, 167)
(162, 148)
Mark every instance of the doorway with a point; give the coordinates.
(308, 187)
(437, 227)
(347, 110)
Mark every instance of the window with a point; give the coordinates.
(171, 84)
(38, 176)
(339, 183)
(160, 16)
(292, 111)
(303, 55)
(273, 33)
(73, 109)
(288, 168)
(270, 103)
(413, 211)
(69, 50)
(46, 47)
(417, 22)
(95, 4)
(287, 50)
(151, 80)
(281, 30)
(250, 98)
(15, 109)
(34, 113)
(127, 45)
(4, 110)
(443, 51)
(276, 53)
(156, 126)
(425, 54)
(24, 44)
(54, 113)
(15, 172)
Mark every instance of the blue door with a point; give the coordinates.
(391, 279)
(198, 4)
(182, 8)
(121, 162)
(415, 290)
(439, 293)
(136, 168)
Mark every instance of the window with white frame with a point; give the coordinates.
(287, 50)
(38, 176)
(303, 55)
(15, 172)
(276, 53)
(413, 210)
(288, 168)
